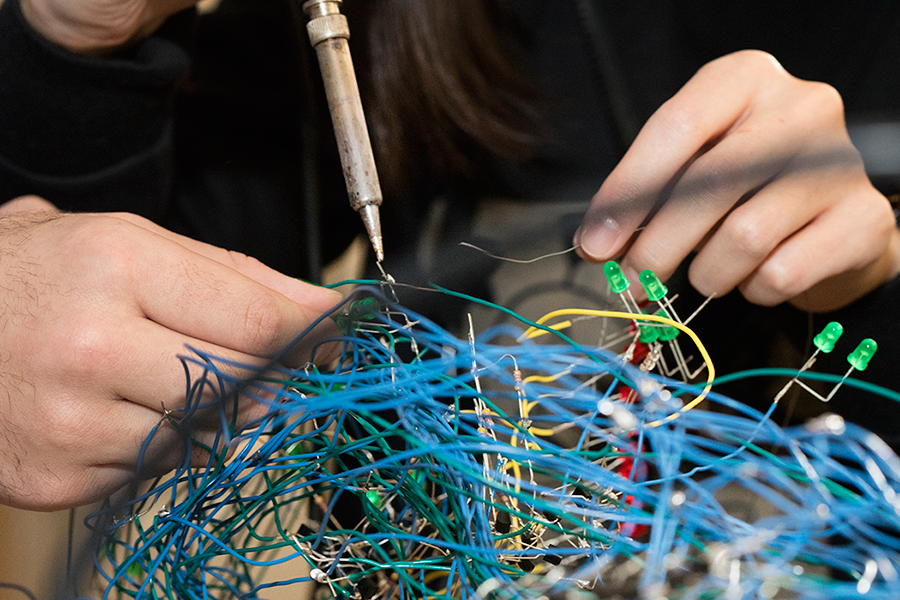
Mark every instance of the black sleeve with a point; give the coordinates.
(85, 133)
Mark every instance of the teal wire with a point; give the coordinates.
(811, 375)
(338, 284)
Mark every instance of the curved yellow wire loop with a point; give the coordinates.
(534, 332)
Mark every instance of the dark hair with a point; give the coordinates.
(441, 88)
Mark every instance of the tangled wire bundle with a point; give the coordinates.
(427, 466)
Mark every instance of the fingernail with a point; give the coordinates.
(598, 239)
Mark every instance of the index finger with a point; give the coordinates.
(711, 103)
(299, 291)
(206, 300)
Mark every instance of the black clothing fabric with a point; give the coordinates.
(207, 144)
(223, 135)
(655, 46)
(84, 133)
(257, 167)
(221, 151)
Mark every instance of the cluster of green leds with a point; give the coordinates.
(618, 283)
(656, 290)
(858, 359)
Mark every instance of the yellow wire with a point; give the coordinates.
(534, 332)
(528, 405)
(546, 378)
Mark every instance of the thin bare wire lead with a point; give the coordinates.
(518, 260)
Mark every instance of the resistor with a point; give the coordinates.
(520, 387)
(629, 353)
(649, 362)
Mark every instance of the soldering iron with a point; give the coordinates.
(329, 33)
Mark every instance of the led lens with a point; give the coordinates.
(667, 333)
(648, 333)
(652, 285)
(618, 283)
(860, 357)
(828, 337)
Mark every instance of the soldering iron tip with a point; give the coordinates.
(372, 221)
(379, 249)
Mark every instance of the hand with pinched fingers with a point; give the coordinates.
(95, 310)
(754, 170)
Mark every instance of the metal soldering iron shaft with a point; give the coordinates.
(328, 33)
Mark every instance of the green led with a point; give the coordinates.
(860, 357)
(419, 476)
(364, 309)
(618, 283)
(827, 338)
(648, 333)
(652, 285)
(296, 448)
(375, 498)
(135, 571)
(667, 333)
(357, 311)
